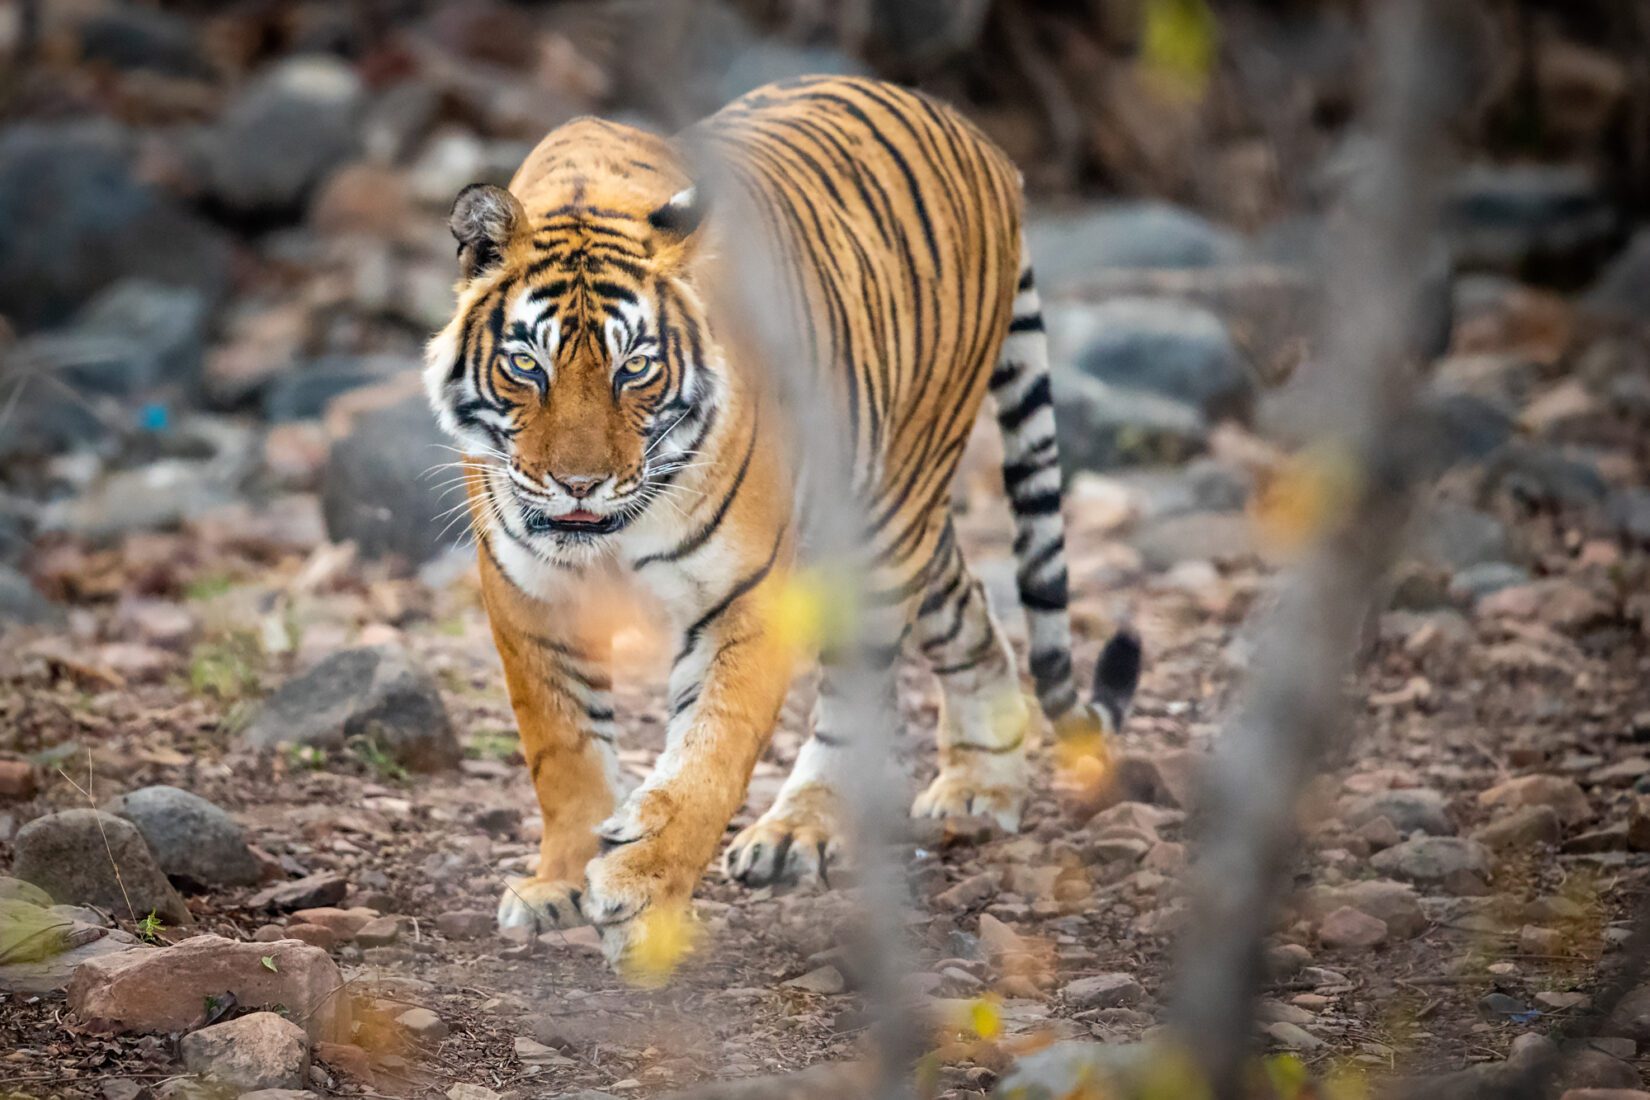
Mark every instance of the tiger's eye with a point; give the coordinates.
(635, 370)
(524, 363)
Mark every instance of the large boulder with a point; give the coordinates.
(372, 692)
(377, 490)
(292, 125)
(87, 857)
(166, 989)
(192, 839)
(74, 217)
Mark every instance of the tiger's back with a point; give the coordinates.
(899, 224)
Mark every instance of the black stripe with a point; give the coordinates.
(1036, 397)
(1026, 279)
(1038, 504)
(1032, 322)
(690, 638)
(1051, 595)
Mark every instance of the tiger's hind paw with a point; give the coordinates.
(797, 841)
(961, 792)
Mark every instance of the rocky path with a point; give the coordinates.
(1469, 865)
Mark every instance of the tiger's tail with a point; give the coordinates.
(1031, 474)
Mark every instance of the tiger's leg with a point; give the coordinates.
(807, 829)
(560, 692)
(728, 682)
(984, 716)
(804, 832)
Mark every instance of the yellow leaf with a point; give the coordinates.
(659, 942)
(985, 1018)
(1307, 496)
(1178, 43)
(1288, 1075)
(812, 609)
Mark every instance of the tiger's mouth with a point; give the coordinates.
(576, 522)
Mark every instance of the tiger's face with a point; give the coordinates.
(577, 372)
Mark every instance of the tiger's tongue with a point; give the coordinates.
(579, 515)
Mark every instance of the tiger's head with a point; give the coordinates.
(577, 372)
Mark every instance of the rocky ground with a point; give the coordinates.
(259, 783)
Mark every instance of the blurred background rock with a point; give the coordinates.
(222, 239)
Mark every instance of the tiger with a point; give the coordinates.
(615, 418)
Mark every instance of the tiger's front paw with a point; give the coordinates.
(539, 904)
(639, 897)
(967, 789)
(798, 840)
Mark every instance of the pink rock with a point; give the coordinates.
(166, 989)
(1351, 929)
(1563, 795)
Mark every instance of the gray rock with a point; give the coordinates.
(1130, 234)
(258, 1051)
(1452, 536)
(75, 218)
(152, 496)
(1630, 511)
(303, 394)
(320, 890)
(1445, 862)
(1546, 477)
(192, 839)
(1158, 345)
(162, 328)
(137, 37)
(1394, 903)
(375, 490)
(373, 692)
(1409, 809)
(1476, 581)
(1521, 829)
(1624, 286)
(1221, 537)
(21, 604)
(297, 121)
(72, 855)
(1594, 1069)
(1102, 427)
(1536, 221)
(1631, 1020)
(1102, 991)
(1464, 427)
(1489, 1081)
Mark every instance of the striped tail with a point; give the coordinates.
(1031, 474)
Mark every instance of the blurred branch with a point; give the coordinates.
(1290, 712)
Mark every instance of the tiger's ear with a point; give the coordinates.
(680, 217)
(484, 220)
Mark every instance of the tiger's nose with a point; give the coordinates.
(580, 486)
